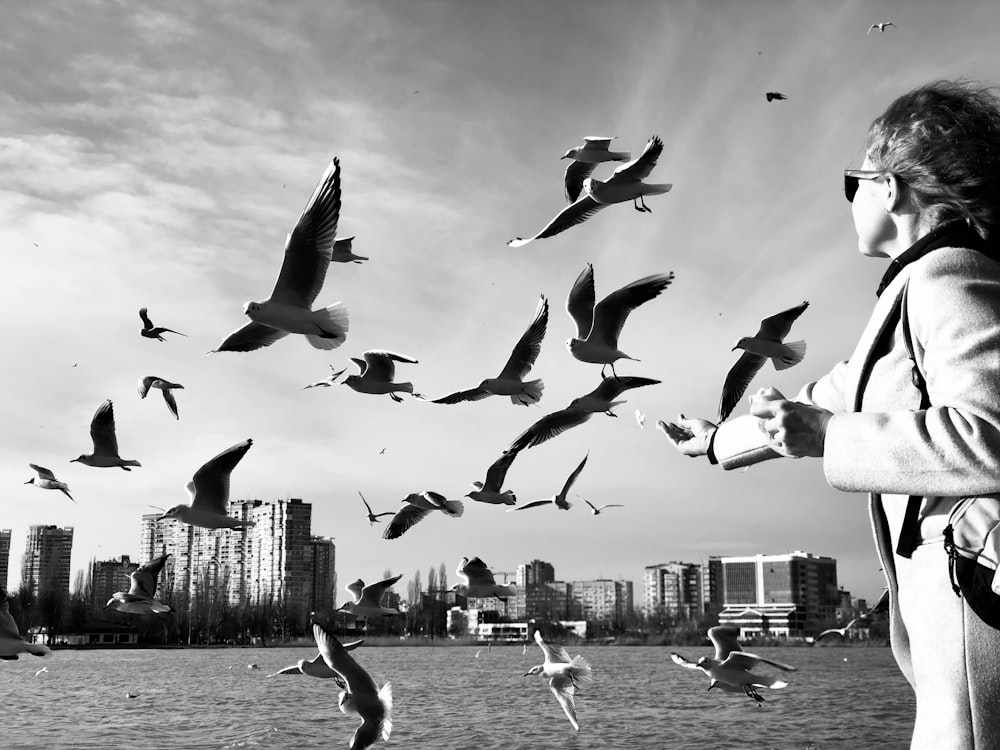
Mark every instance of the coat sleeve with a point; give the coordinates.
(953, 447)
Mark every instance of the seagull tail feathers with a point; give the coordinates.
(657, 189)
(37, 649)
(333, 322)
(580, 668)
(385, 696)
(791, 354)
(130, 462)
(454, 508)
(531, 393)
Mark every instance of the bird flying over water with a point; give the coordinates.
(308, 250)
(373, 518)
(11, 642)
(153, 332)
(881, 26)
(510, 382)
(599, 325)
(102, 435)
(626, 184)
(559, 500)
(46, 480)
(342, 252)
(368, 599)
(596, 510)
(209, 491)
(377, 373)
(757, 349)
(479, 581)
(585, 158)
(361, 697)
(772, 95)
(139, 600)
(416, 507)
(564, 674)
(491, 491)
(317, 667)
(881, 607)
(165, 386)
(730, 669)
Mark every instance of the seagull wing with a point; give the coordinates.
(580, 302)
(478, 573)
(209, 488)
(532, 504)
(8, 627)
(576, 173)
(405, 517)
(250, 337)
(548, 427)
(683, 662)
(572, 477)
(356, 589)
(144, 579)
(611, 388)
(373, 593)
(43, 473)
(747, 661)
(726, 641)
(738, 380)
(380, 364)
(612, 311)
(563, 689)
(171, 402)
(145, 384)
(473, 394)
(529, 345)
(146, 322)
(640, 167)
(575, 213)
(776, 327)
(366, 503)
(102, 430)
(340, 661)
(310, 245)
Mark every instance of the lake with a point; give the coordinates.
(447, 698)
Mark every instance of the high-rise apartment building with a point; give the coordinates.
(536, 571)
(674, 589)
(4, 557)
(46, 561)
(602, 601)
(323, 559)
(108, 577)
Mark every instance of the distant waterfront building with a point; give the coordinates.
(779, 595)
(46, 561)
(602, 601)
(713, 595)
(674, 589)
(544, 601)
(108, 577)
(323, 588)
(537, 571)
(4, 557)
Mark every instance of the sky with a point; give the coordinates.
(157, 157)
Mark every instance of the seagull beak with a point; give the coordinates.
(32, 481)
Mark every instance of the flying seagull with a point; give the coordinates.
(599, 400)
(881, 26)
(154, 332)
(881, 606)
(596, 509)
(368, 599)
(491, 491)
(317, 667)
(326, 382)
(102, 434)
(361, 697)
(377, 373)
(308, 250)
(416, 507)
(558, 500)
(165, 386)
(626, 184)
(342, 252)
(599, 326)
(564, 673)
(510, 382)
(479, 581)
(11, 642)
(757, 349)
(730, 669)
(140, 597)
(209, 491)
(373, 517)
(585, 158)
(772, 95)
(47, 481)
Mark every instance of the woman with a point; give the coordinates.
(915, 411)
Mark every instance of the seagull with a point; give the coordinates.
(599, 400)
(599, 326)
(11, 642)
(596, 510)
(43, 669)
(139, 599)
(881, 606)
(563, 673)
(326, 382)
(640, 419)
(377, 373)
(165, 386)
(102, 433)
(368, 599)
(361, 698)
(730, 669)
(881, 26)
(510, 381)
(416, 506)
(342, 252)
(479, 581)
(585, 158)
(489, 491)
(47, 481)
(772, 95)
(373, 517)
(154, 332)
(559, 500)
(209, 491)
(767, 343)
(308, 250)
(624, 185)
(317, 667)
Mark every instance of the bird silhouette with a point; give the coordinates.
(772, 95)
(881, 26)
(154, 332)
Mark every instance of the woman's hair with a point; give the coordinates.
(943, 141)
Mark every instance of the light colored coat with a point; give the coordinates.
(879, 442)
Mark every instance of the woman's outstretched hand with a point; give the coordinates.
(690, 436)
(795, 429)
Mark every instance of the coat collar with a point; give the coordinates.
(951, 234)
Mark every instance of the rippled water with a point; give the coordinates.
(447, 699)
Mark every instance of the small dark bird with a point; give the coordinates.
(373, 517)
(154, 332)
(880, 26)
(772, 95)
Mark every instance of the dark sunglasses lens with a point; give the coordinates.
(850, 187)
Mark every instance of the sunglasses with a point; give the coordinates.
(851, 177)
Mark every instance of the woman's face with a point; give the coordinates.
(871, 219)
